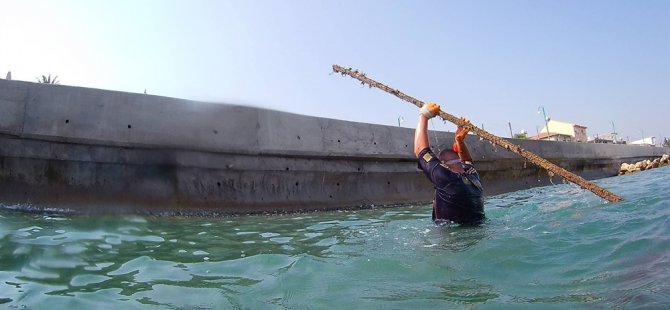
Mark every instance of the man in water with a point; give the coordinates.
(458, 190)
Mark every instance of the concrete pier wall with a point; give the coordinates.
(94, 150)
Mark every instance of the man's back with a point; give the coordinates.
(458, 196)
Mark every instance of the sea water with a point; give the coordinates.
(551, 247)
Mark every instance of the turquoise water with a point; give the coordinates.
(550, 247)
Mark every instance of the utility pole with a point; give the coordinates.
(613, 132)
(546, 121)
(511, 135)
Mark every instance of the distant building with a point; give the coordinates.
(562, 131)
(611, 138)
(651, 141)
(599, 139)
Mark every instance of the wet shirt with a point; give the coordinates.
(458, 196)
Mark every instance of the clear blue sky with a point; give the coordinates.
(586, 62)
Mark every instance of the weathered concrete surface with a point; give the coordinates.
(104, 151)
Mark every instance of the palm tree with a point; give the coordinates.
(48, 80)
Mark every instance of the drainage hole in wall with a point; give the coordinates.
(331, 196)
(218, 184)
(298, 137)
(388, 182)
(338, 141)
(129, 126)
(359, 169)
(338, 183)
(405, 145)
(375, 143)
(296, 183)
(286, 168)
(67, 121)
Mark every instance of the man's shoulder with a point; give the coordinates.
(427, 154)
(427, 159)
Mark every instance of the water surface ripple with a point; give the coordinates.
(555, 247)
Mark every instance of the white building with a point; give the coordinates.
(650, 141)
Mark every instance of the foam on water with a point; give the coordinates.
(557, 246)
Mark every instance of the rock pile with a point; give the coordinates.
(644, 165)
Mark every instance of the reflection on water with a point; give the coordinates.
(138, 259)
(545, 246)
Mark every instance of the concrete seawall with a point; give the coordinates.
(104, 151)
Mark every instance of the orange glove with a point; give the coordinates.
(430, 109)
(462, 131)
(455, 147)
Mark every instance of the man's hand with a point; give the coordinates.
(462, 131)
(459, 146)
(430, 110)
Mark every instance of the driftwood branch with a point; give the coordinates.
(530, 156)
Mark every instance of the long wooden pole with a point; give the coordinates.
(532, 157)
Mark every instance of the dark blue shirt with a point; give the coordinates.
(458, 196)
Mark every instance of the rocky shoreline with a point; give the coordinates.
(647, 164)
